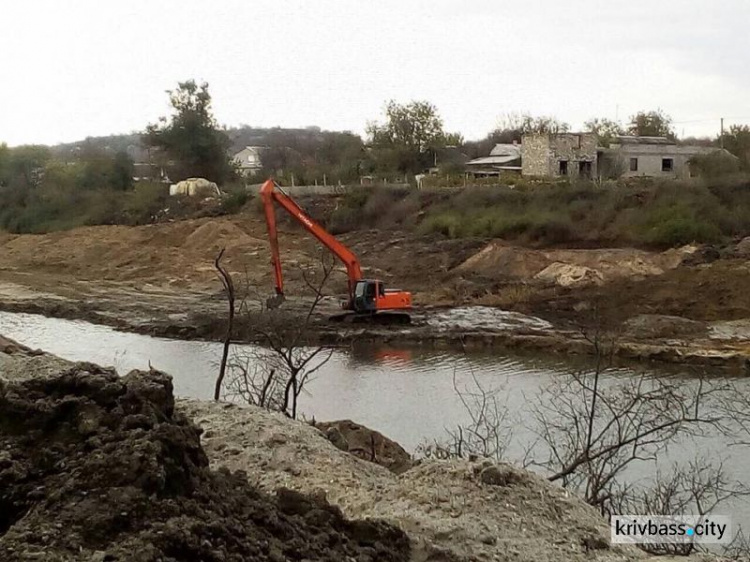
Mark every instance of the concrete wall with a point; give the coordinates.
(650, 159)
(542, 154)
(328, 189)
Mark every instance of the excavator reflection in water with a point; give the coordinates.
(368, 299)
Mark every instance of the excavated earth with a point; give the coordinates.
(159, 279)
(95, 467)
(98, 467)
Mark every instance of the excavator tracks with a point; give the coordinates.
(380, 318)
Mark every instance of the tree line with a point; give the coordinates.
(409, 139)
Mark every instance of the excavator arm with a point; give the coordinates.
(270, 193)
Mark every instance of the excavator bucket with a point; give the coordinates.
(274, 301)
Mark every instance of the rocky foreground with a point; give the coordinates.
(99, 467)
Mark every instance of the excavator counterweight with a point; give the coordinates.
(368, 299)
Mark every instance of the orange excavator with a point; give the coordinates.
(368, 300)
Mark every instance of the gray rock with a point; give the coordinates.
(498, 475)
(663, 326)
(488, 539)
(337, 438)
(742, 249)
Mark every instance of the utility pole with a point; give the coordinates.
(721, 138)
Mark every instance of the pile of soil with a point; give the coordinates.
(451, 510)
(706, 292)
(500, 260)
(367, 444)
(97, 467)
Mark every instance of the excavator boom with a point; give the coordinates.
(368, 298)
(271, 192)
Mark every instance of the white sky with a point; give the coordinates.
(78, 68)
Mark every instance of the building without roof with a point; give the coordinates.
(629, 156)
(576, 155)
(559, 155)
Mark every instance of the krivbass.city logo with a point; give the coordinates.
(671, 529)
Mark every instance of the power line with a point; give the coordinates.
(711, 119)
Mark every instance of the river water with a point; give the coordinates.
(407, 394)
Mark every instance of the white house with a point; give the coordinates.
(248, 160)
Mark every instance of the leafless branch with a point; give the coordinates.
(274, 375)
(228, 284)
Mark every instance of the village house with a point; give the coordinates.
(629, 156)
(551, 155)
(502, 158)
(248, 160)
(559, 155)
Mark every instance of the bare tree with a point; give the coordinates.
(739, 549)
(590, 432)
(228, 284)
(697, 487)
(486, 435)
(592, 425)
(274, 375)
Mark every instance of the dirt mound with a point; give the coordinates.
(449, 509)
(157, 253)
(210, 237)
(742, 249)
(97, 467)
(498, 260)
(367, 444)
(709, 292)
(567, 275)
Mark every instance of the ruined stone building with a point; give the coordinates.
(559, 155)
(576, 155)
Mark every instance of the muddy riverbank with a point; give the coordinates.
(197, 315)
(137, 475)
(684, 305)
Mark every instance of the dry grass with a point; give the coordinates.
(507, 296)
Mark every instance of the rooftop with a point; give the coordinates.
(630, 139)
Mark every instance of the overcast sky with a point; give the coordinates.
(81, 68)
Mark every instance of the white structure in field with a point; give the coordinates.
(195, 187)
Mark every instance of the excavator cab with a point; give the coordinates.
(371, 300)
(366, 293)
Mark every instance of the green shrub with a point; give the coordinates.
(448, 224)
(672, 221)
(679, 231)
(234, 199)
(344, 219)
(143, 204)
(714, 165)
